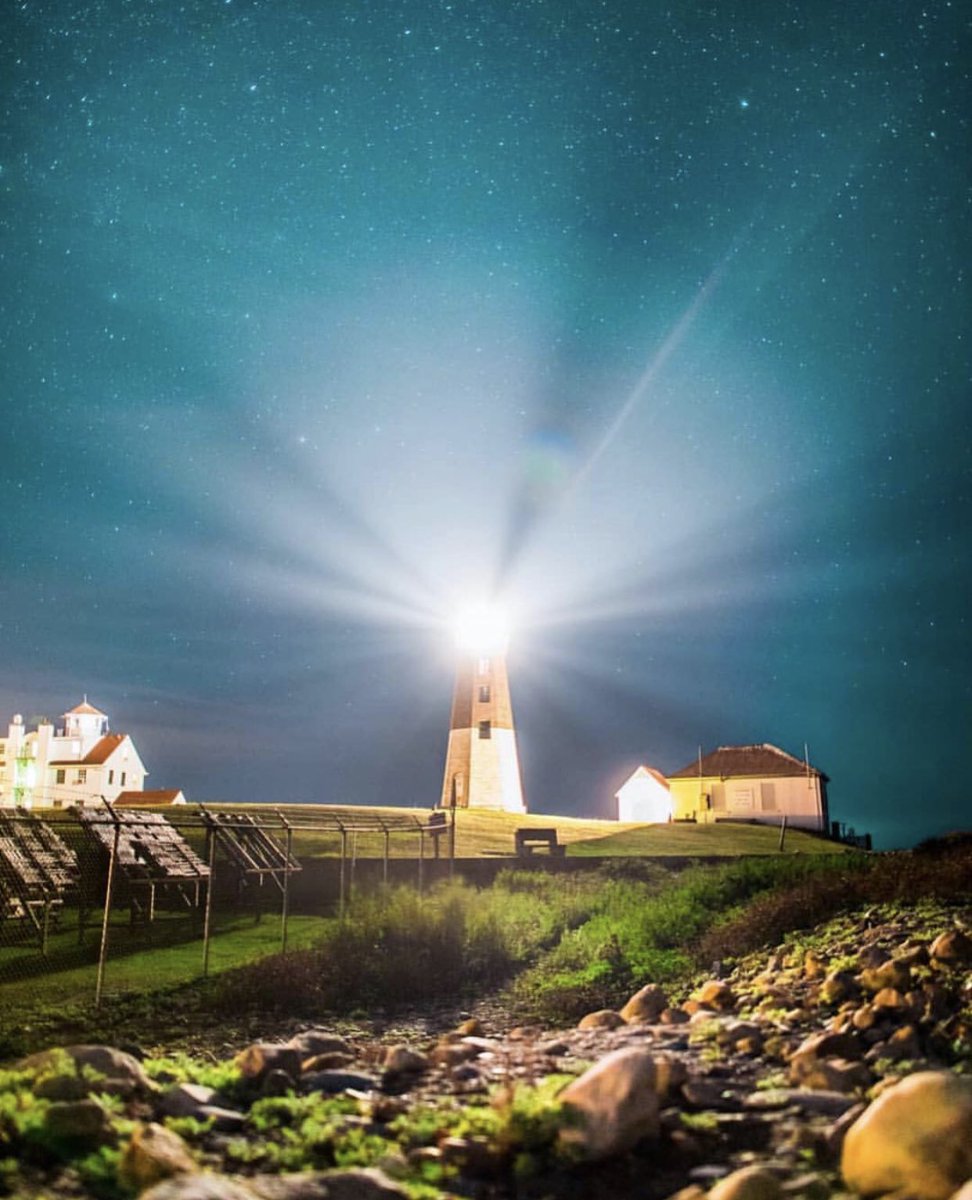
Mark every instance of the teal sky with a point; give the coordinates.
(320, 319)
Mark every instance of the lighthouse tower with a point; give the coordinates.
(482, 767)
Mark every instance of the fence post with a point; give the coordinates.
(452, 838)
(344, 855)
(421, 865)
(285, 904)
(782, 831)
(384, 862)
(103, 949)
(207, 916)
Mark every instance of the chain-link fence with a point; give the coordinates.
(110, 899)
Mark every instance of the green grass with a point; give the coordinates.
(481, 833)
(722, 839)
(155, 968)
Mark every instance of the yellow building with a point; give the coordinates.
(758, 783)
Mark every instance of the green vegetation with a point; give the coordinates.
(561, 943)
(644, 930)
(516, 1126)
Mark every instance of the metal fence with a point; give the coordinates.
(86, 895)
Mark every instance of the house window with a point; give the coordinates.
(484, 694)
(768, 796)
(718, 796)
(485, 729)
(123, 778)
(484, 666)
(82, 775)
(111, 776)
(59, 775)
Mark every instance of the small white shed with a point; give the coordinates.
(645, 797)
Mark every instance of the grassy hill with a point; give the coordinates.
(481, 833)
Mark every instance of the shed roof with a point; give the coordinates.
(641, 772)
(153, 796)
(755, 761)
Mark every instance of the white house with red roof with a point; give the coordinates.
(78, 765)
(645, 797)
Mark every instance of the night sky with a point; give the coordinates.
(323, 317)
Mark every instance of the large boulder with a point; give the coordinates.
(645, 1006)
(260, 1058)
(611, 1106)
(77, 1122)
(117, 1073)
(154, 1153)
(603, 1018)
(916, 1139)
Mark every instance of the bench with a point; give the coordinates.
(528, 841)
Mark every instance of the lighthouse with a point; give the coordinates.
(482, 766)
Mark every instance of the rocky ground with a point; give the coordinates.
(839, 1066)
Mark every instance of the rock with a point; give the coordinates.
(470, 1028)
(916, 1138)
(555, 1048)
(330, 1061)
(674, 1016)
(814, 966)
(828, 1104)
(357, 1184)
(645, 1006)
(260, 1058)
(224, 1120)
(705, 1093)
(154, 1153)
(670, 1074)
(185, 1100)
(864, 1017)
(903, 1044)
(121, 1074)
(199, 1187)
(612, 1106)
(837, 986)
(811, 1186)
(277, 1083)
(333, 1082)
(888, 1000)
(61, 1087)
(604, 1018)
(400, 1060)
(318, 1041)
(952, 947)
(829, 1074)
(891, 974)
(450, 1054)
(77, 1122)
(716, 994)
(748, 1183)
(826, 1045)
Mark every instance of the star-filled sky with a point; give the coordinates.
(321, 318)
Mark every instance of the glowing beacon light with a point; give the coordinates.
(482, 630)
(482, 766)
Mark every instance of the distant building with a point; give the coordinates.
(645, 797)
(759, 783)
(151, 798)
(76, 766)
